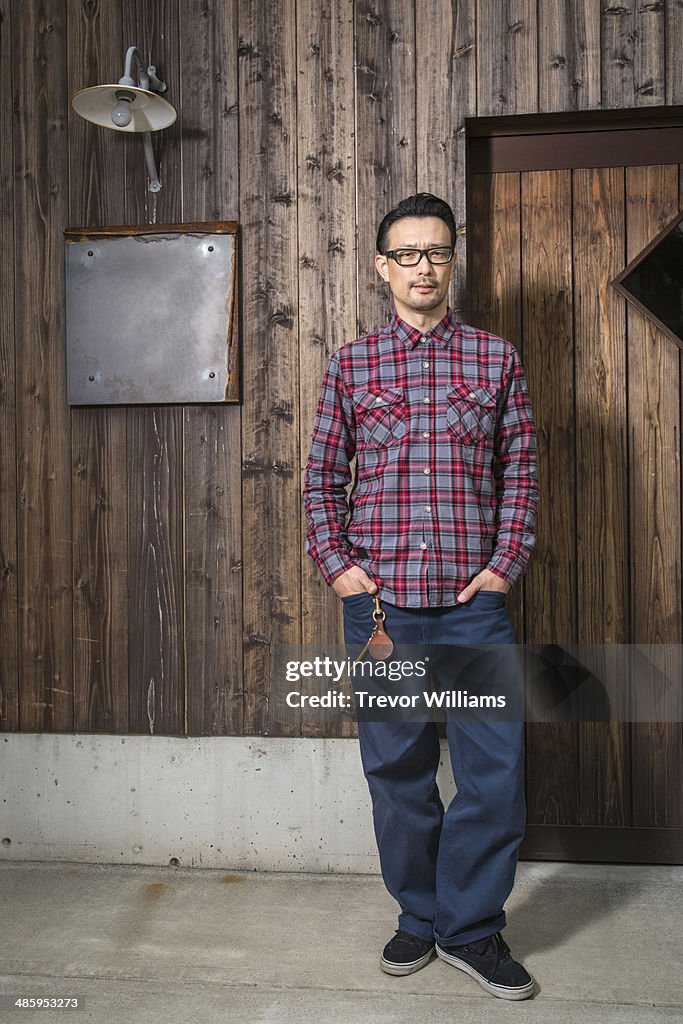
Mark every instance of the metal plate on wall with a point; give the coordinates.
(150, 314)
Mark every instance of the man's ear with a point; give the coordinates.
(381, 265)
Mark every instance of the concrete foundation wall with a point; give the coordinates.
(226, 802)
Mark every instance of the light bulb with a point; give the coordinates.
(122, 115)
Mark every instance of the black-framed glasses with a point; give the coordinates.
(411, 257)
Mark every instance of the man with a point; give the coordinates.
(439, 526)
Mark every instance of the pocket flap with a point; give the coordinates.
(364, 401)
(474, 394)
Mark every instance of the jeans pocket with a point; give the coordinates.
(492, 598)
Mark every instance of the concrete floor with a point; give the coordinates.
(175, 944)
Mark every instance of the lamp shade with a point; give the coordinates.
(149, 112)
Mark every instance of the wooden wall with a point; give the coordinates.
(151, 559)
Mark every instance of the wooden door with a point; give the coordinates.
(543, 247)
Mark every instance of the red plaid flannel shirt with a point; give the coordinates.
(446, 483)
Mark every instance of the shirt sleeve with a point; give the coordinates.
(327, 475)
(516, 475)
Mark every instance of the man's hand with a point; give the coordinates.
(485, 580)
(354, 581)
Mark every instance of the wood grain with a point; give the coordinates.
(156, 627)
(210, 110)
(507, 57)
(655, 510)
(494, 264)
(568, 54)
(602, 540)
(98, 436)
(327, 270)
(213, 571)
(9, 662)
(43, 449)
(446, 93)
(155, 30)
(271, 491)
(386, 170)
(154, 434)
(212, 436)
(552, 748)
(632, 53)
(100, 528)
(673, 30)
(494, 298)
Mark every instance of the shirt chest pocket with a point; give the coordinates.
(381, 416)
(470, 412)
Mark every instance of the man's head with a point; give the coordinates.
(418, 280)
(424, 204)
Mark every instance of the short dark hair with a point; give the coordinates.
(423, 204)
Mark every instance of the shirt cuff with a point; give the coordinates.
(333, 565)
(507, 566)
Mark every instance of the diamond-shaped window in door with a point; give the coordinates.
(653, 281)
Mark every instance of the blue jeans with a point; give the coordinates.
(450, 872)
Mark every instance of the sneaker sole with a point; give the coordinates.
(400, 970)
(502, 991)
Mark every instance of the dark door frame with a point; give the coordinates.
(570, 140)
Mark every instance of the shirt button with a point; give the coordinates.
(471, 395)
(426, 471)
(428, 508)
(423, 339)
(426, 364)
(423, 545)
(379, 400)
(426, 434)
(426, 400)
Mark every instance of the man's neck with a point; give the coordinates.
(422, 322)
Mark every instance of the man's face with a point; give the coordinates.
(424, 287)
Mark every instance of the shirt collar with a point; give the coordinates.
(410, 336)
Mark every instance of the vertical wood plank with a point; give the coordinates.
(446, 84)
(552, 748)
(673, 31)
(154, 435)
(507, 57)
(43, 451)
(154, 29)
(9, 661)
(207, 94)
(96, 155)
(100, 527)
(655, 503)
(568, 55)
(602, 506)
(327, 264)
(386, 169)
(156, 628)
(211, 434)
(548, 350)
(98, 436)
(213, 571)
(633, 53)
(494, 264)
(271, 492)
(494, 289)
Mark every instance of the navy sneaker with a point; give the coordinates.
(489, 961)
(406, 953)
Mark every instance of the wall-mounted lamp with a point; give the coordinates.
(130, 107)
